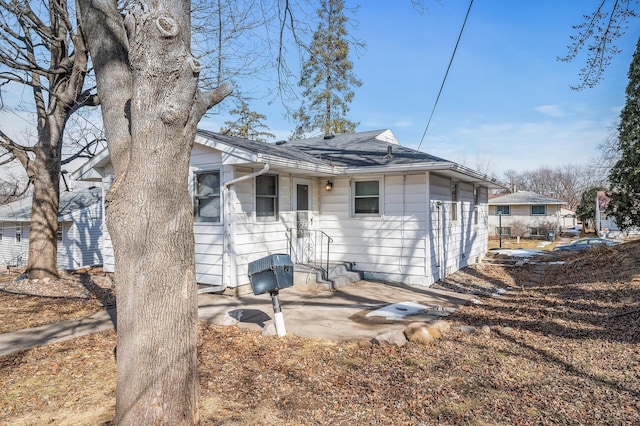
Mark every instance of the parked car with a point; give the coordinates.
(586, 243)
(573, 231)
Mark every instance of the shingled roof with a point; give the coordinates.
(20, 211)
(524, 197)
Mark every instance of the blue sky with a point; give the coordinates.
(507, 102)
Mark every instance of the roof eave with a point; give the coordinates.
(468, 174)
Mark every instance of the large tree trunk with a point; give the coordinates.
(43, 242)
(147, 82)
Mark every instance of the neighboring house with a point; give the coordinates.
(525, 214)
(606, 226)
(390, 212)
(79, 230)
(567, 218)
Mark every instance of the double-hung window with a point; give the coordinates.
(267, 197)
(206, 197)
(366, 197)
(454, 201)
(540, 210)
(18, 233)
(503, 210)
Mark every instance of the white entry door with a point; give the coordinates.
(303, 239)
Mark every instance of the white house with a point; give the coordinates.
(390, 212)
(526, 213)
(79, 230)
(606, 225)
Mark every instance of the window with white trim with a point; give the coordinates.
(267, 197)
(1, 230)
(206, 196)
(18, 233)
(503, 210)
(59, 233)
(506, 231)
(536, 232)
(454, 201)
(539, 210)
(366, 197)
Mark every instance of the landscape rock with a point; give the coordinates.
(418, 332)
(365, 344)
(441, 325)
(391, 338)
(466, 328)
(485, 330)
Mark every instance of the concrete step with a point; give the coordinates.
(340, 274)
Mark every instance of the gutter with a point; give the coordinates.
(432, 167)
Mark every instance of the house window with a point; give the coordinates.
(367, 197)
(18, 233)
(59, 233)
(454, 202)
(538, 210)
(1, 230)
(506, 231)
(503, 210)
(267, 196)
(536, 232)
(206, 197)
(476, 203)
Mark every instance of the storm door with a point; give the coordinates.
(303, 240)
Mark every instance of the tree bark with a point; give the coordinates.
(150, 118)
(43, 241)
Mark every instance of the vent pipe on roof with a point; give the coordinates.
(389, 152)
(329, 136)
(280, 142)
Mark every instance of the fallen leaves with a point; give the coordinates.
(554, 354)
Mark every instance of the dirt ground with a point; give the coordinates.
(560, 346)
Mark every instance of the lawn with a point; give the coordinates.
(559, 347)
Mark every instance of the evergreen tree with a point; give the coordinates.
(625, 174)
(327, 76)
(586, 210)
(247, 125)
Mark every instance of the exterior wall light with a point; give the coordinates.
(329, 185)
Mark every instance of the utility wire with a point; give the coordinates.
(445, 75)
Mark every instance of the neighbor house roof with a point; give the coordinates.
(20, 211)
(524, 197)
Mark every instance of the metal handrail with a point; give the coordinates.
(313, 236)
(17, 259)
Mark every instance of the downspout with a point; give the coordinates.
(229, 228)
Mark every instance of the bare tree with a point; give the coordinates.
(147, 80)
(43, 51)
(597, 34)
(565, 183)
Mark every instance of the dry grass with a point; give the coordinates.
(562, 349)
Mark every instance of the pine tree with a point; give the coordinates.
(586, 210)
(247, 125)
(327, 76)
(625, 174)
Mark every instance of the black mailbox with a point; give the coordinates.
(271, 273)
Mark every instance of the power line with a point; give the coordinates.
(445, 75)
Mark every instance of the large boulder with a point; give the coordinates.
(421, 332)
(391, 338)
